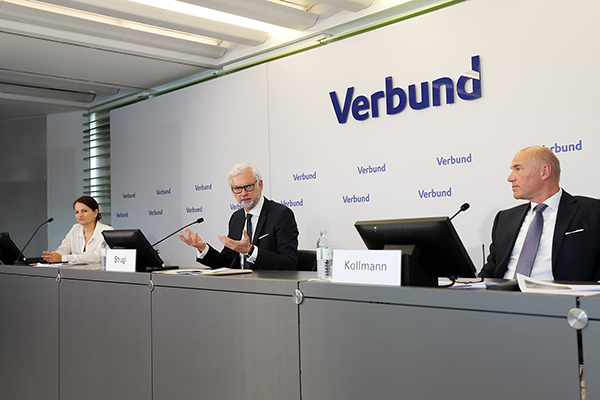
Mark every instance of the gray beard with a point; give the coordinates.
(249, 206)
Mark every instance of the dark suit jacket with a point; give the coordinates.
(275, 236)
(575, 256)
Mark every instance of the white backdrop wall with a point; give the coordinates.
(539, 74)
(170, 157)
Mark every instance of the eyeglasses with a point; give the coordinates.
(247, 188)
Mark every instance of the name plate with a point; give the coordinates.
(120, 260)
(371, 267)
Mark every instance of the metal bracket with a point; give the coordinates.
(577, 318)
(150, 285)
(298, 296)
(58, 278)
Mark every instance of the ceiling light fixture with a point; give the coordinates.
(214, 15)
(293, 4)
(71, 12)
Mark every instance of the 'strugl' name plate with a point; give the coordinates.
(372, 267)
(120, 260)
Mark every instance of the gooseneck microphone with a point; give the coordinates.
(464, 207)
(32, 236)
(453, 278)
(199, 220)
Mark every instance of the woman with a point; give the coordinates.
(84, 240)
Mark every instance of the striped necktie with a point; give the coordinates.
(531, 243)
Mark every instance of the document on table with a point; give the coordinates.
(59, 264)
(462, 283)
(207, 271)
(472, 285)
(530, 285)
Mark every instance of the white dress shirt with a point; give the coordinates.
(542, 266)
(73, 245)
(255, 215)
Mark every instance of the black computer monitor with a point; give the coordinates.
(9, 252)
(439, 249)
(147, 258)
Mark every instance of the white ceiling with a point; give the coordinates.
(52, 61)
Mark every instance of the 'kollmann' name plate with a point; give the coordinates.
(372, 267)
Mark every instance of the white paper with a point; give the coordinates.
(530, 285)
(204, 271)
(55, 265)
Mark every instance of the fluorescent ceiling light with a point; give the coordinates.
(71, 12)
(207, 13)
(298, 5)
(29, 79)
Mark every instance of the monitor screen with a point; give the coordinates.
(440, 250)
(147, 258)
(9, 252)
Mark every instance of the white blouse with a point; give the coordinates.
(73, 244)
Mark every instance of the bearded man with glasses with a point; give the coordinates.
(262, 234)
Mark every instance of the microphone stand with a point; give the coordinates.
(464, 207)
(27, 244)
(199, 220)
(453, 278)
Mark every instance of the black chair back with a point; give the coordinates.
(307, 260)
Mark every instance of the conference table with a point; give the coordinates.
(82, 333)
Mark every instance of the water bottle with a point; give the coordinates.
(324, 258)
(103, 249)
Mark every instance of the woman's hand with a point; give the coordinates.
(51, 256)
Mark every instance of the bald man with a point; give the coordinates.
(569, 247)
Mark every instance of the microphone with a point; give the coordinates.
(464, 207)
(27, 244)
(199, 220)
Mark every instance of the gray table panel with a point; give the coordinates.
(105, 340)
(591, 346)
(484, 300)
(79, 273)
(224, 345)
(591, 359)
(238, 338)
(591, 306)
(28, 337)
(353, 350)
(267, 282)
(29, 271)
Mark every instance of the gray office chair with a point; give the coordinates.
(307, 260)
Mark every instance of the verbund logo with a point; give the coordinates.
(564, 148)
(454, 160)
(293, 203)
(304, 177)
(362, 107)
(430, 194)
(371, 170)
(356, 199)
